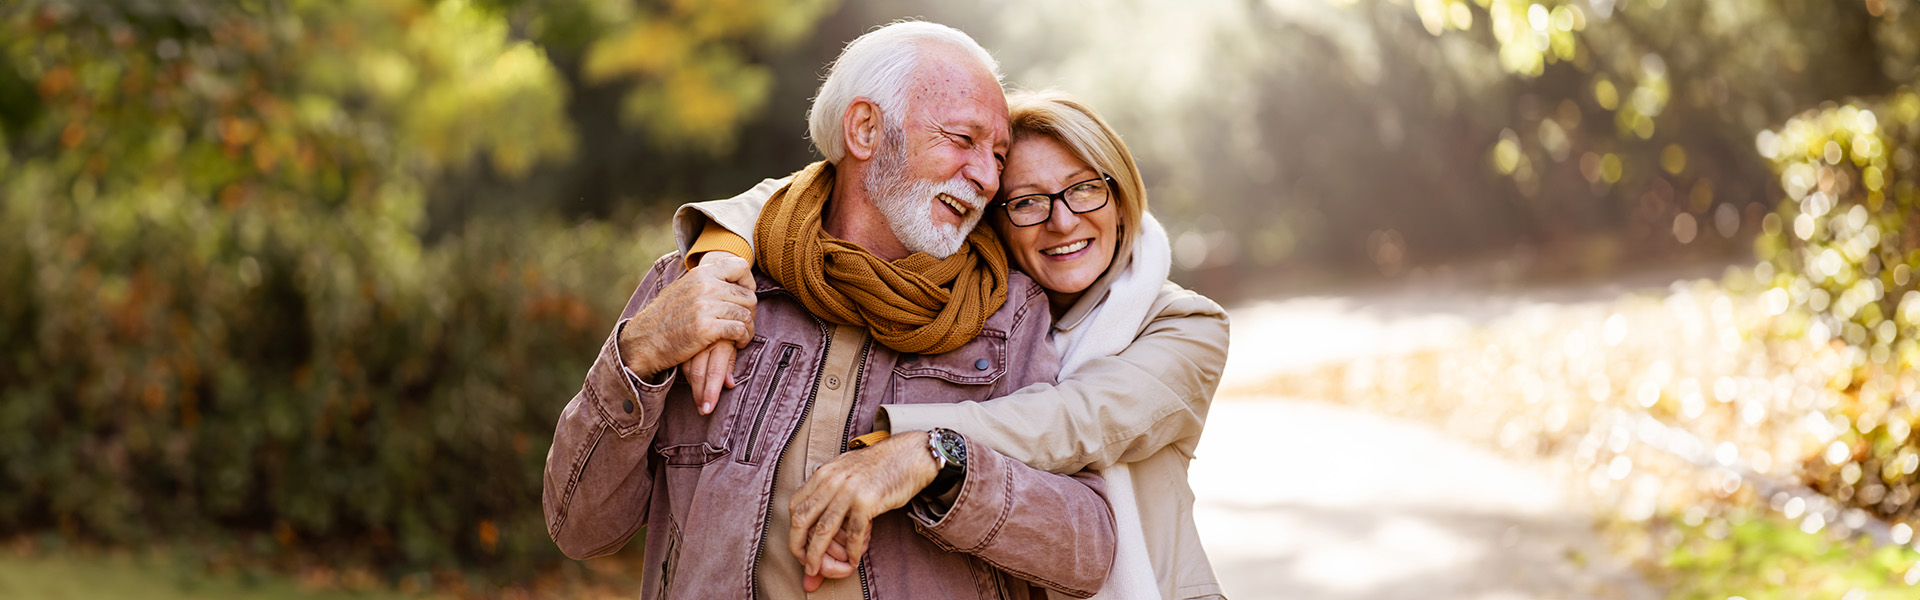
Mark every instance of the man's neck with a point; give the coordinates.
(850, 215)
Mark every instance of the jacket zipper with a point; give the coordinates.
(666, 563)
(780, 372)
(813, 391)
(846, 433)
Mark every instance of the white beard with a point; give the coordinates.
(902, 199)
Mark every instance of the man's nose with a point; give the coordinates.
(984, 171)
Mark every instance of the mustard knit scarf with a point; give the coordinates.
(916, 304)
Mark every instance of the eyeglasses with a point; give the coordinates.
(1081, 198)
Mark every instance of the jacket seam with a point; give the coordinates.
(580, 456)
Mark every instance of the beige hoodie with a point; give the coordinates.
(1143, 408)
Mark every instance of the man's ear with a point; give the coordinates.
(861, 125)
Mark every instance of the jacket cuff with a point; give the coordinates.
(626, 401)
(979, 509)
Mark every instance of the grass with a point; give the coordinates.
(62, 576)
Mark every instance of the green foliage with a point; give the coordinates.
(220, 318)
(693, 85)
(1766, 558)
(1839, 246)
(1840, 253)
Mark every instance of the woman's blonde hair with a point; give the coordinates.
(1059, 116)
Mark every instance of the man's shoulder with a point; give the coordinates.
(1025, 300)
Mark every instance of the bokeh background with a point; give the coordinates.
(294, 290)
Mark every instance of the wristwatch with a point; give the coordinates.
(950, 450)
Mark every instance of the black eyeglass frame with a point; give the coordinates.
(1060, 197)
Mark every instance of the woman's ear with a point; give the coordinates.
(861, 125)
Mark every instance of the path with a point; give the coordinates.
(1304, 499)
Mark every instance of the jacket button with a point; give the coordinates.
(911, 358)
(833, 382)
(627, 405)
(980, 364)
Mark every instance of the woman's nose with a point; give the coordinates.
(1063, 219)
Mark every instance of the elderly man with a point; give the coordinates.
(875, 244)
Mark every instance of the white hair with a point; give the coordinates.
(879, 65)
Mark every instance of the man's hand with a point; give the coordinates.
(713, 303)
(843, 496)
(711, 369)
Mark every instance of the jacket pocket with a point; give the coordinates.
(691, 455)
(966, 371)
(747, 361)
(754, 415)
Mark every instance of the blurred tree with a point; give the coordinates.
(676, 94)
(1393, 136)
(220, 317)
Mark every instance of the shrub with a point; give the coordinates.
(1840, 256)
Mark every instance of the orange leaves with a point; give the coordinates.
(489, 535)
(72, 136)
(58, 80)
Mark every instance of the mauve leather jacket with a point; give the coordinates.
(627, 454)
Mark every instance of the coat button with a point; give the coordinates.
(627, 405)
(910, 358)
(833, 382)
(980, 365)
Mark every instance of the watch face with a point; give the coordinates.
(954, 447)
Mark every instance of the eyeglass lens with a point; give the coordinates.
(1037, 208)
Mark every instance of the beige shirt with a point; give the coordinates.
(819, 440)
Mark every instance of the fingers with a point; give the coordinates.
(838, 549)
(803, 512)
(729, 268)
(719, 366)
(856, 533)
(824, 529)
(696, 371)
(833, 566)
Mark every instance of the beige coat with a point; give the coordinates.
(1145, 407)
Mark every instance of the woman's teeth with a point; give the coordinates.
(1067, 249)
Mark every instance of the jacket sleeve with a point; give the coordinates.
(1114, 409)
(736, 215)
(1053, 530)
(598, 478)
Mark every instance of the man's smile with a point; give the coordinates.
(960, 209)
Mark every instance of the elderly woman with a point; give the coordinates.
(1140, 356)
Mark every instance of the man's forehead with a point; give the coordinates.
(963, 89)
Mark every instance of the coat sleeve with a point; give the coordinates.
(1050, 529)
(598, 477)
(736, 215)
(1114, 409)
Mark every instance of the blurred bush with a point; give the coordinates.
(220, 322)
(1839, 254)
